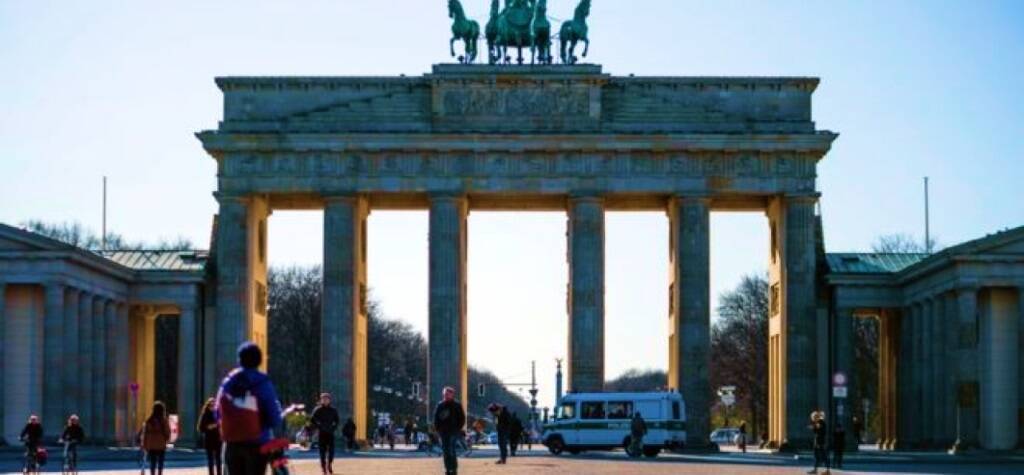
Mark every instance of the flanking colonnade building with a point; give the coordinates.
(561, 138)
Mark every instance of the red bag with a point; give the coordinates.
(41, 456)
(239, 418)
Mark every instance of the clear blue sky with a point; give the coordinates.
(116, 88)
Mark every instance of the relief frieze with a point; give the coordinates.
(560, 164)
(516, 102)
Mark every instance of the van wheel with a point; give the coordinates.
(556, 445)
(651, 452)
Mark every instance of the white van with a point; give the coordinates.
(601, 421)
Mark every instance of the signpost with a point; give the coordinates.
(839, 391)
(728, 396)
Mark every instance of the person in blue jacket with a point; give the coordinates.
(248, 410)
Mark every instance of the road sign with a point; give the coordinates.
(728, 399)
(839, 379)
(839, 392)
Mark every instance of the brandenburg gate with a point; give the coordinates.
(494, 137)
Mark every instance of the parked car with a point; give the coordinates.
(725, 436)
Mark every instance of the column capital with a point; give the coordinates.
(231, 198)
(702, 199)
(447, 196)
(809, 198)
(586, 196)
(345, 198)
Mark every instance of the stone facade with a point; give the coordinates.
(572, 138)
(66, 345)
(951, 340)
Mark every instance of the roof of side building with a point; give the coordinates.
(169, 260)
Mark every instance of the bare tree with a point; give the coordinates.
(637, 380)
(75, 234)
(902, 244)
(739, 348)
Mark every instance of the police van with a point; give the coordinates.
(601, 421)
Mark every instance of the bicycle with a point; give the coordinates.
(32, 461)
(69, 466)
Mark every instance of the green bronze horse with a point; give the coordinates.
(540, 51)
(574, 31)
(494, 51)
(512, 29)
(463, 29)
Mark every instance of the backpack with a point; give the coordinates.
(239, 417)
(41, 456)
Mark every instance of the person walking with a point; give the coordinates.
(838, 445)
(326, 420)
(248, 410)
(348, 431)
(72, 436)
(209, 430)
(390, 435)
(515, 435)
(743, 436)
(449, 419)
(820, 430)
(407, 432)
(156, 432)
(637, 431)
(503, 424)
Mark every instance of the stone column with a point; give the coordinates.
(70, 377)
(586, 293)
(793, 353)
(845, 338)
(927, 400)
(123, 428)
(939, 435)
(447, 313)
(690, 312)
(343, 369)
(188, 377)
(888, 344)
(99, 370)
(966, 368)
(241, 278)
(53, 357)
(998, 357)
(110, 369)
(3, 367)
(951, 343)
(904, 379)
(917, 377)
(85, 349)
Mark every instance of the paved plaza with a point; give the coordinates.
(538, 461)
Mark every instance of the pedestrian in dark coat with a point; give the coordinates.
(325, 419)
(820, 430)
(515, 434)
(503, 424)
(349, 432)
(209, 430)
(838, 445)
(449, 419)
(743, 436)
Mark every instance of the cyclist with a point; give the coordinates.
(32, 436)
(72, 436)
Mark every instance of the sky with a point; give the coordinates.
(915, 88)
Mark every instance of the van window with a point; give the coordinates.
(568, 410)
(620, 409)
(675, 410)
(592, 410)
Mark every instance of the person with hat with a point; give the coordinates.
(248, 410)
